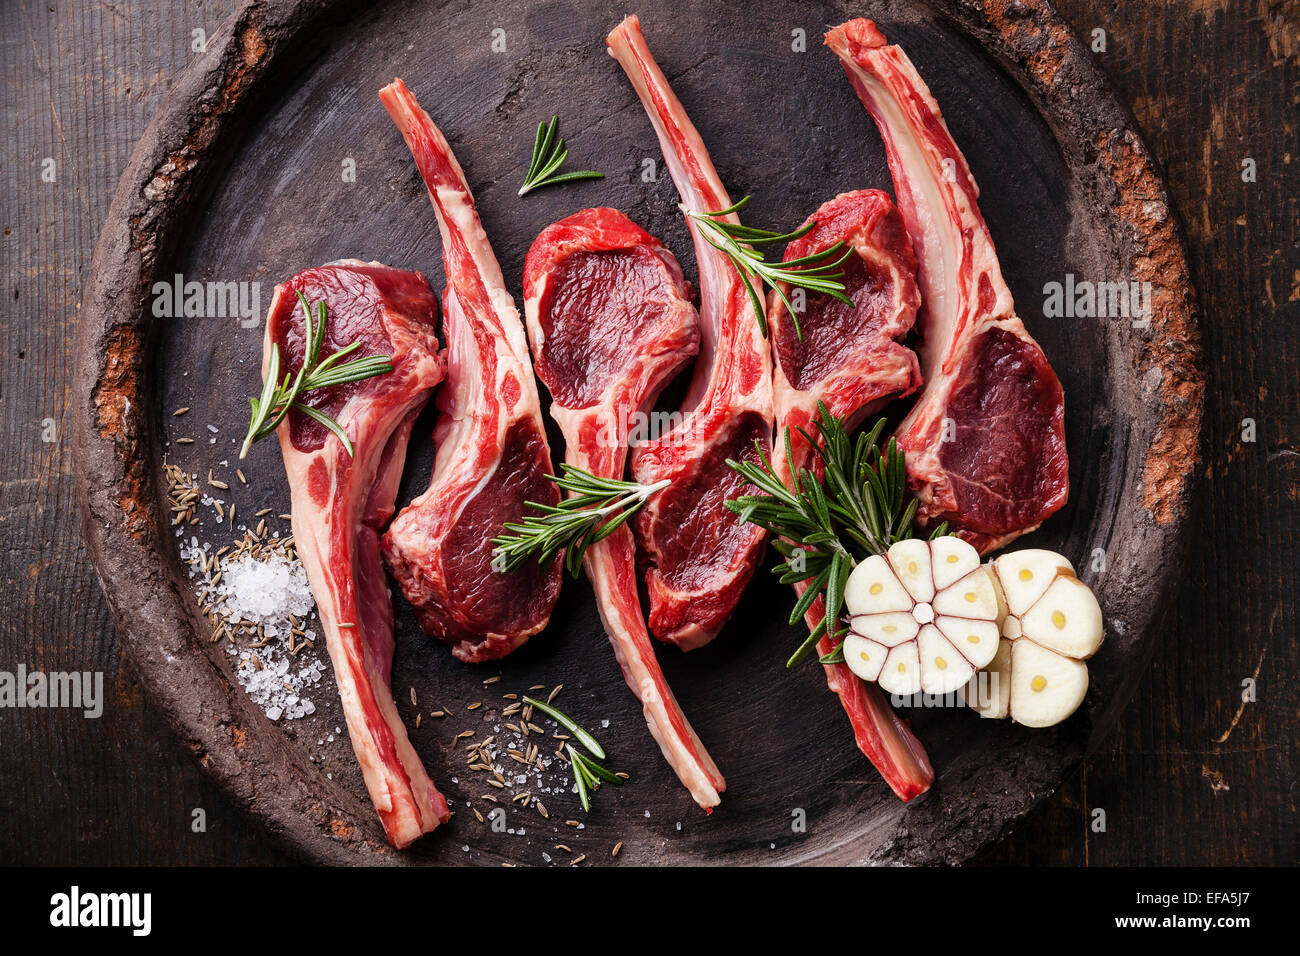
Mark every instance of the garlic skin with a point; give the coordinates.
(924, 617)
(1052, 624)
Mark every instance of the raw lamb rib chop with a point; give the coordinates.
(850, 359)
(610, 322)
(985, 442)
(340, 503)
(701, 556)
(492, 452)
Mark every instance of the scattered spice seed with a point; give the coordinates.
(180, 411)
(185, 441)
(617, 846)
(242, 478)
(492, 680)
(475, 706)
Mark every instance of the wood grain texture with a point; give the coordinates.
(120, 790)
(1188, 779)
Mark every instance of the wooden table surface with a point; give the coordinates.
(1195, 775)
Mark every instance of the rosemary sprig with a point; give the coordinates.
(569, 724)
(822, 528)
(817, 272)
(280, 395)
(548, 156)
(596, 508)
(587, 774)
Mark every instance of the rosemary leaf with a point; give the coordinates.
(816, 272)
(280, 396)
(595, 508)
(549, 155)
(854, 505)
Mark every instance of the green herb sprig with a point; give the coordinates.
(587, 774)
(817, 272)
(826, 525)
(549, 155)
(280, 395)
(596, 508)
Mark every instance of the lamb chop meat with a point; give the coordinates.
(848, 356)
(492, 454)
(985, 442)
(341, 502)
(610, 322)
(850, 359)
(700, 555)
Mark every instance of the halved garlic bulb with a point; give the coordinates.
(923, 617)
(1052, 624)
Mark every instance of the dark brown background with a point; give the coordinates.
(1186, 780)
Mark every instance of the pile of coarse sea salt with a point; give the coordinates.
(260, 593)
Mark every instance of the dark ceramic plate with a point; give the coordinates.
(240, 178)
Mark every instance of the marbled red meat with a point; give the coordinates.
(492, 454)
(610, 321)
(341, 502)
(697, 571)
(985, 442)
(850, 358)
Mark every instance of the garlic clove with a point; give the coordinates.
(989, 691)
(1046, 687)
(864, 656)
(972, 596)
(910, 560)
(902, 671)
(1066, 619)
(889, 629)
(873, 587)
(951, 559)
(1026, 575)
(976, 640)
(943, 669)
